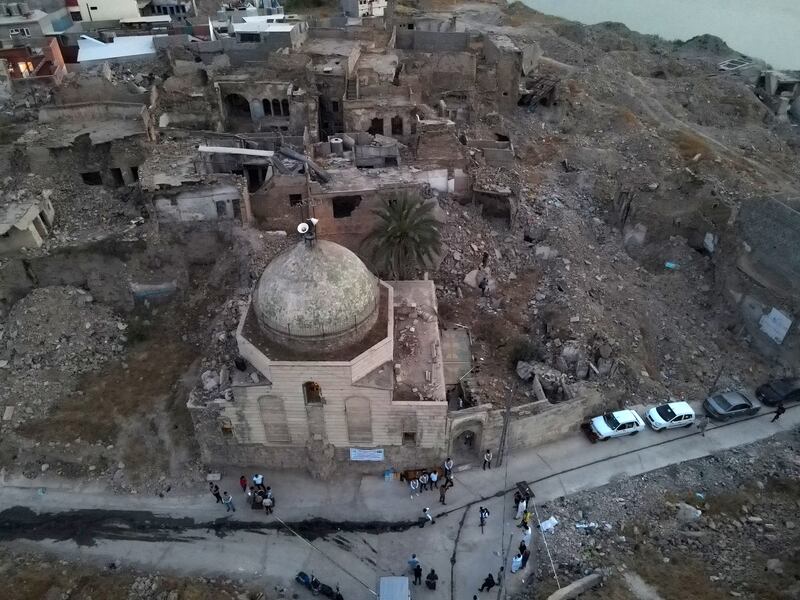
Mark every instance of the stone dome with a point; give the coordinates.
(316, 293)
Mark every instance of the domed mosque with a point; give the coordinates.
(336, 364)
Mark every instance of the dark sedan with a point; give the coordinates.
(780, 390)
(727, 405)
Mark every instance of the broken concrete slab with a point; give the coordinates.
(576, 588)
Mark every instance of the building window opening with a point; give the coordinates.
(376, 127)
(343, 206)
(409, 438)
(295, 199)
(267, 107)
(276, 108)
(222, 209)
(397, 125)
(335, 106)
(92, 178)
(116, 175)
(238, 106)
(285, 107)
(312, 392)
(390, 161)
(135, 173)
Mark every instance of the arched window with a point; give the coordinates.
(276, 107)
(312, 392)
(267, 107)
(238, 106)
(397, 125)
(285, 107)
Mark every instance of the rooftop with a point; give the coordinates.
(32, 17)
(19, 213)
(419, 371)
(262, 25)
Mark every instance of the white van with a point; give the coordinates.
(394, 588)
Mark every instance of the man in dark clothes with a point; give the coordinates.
(525, 556)
(418, 574)
(442, 492)
(214, 489)
(488, 583)
(431, 579)
(779, 410)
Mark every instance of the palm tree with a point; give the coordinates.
(405, 238)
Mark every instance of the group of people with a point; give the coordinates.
(259, 496)
(428, 480)
(416, 569)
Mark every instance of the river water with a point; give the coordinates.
(767, 29)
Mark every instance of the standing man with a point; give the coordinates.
(487, 460)
(423, 482)
(243, 484)
(414, 486)
(418, 574)
(258, 481)
(442, 492)
(228, 502)
(778, 412)
(448, 470)
(434, 479)
(214, 489)
(413, 562)
(525, 556)
(702, 423)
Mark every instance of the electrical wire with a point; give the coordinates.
(340, 567)
(546, 546)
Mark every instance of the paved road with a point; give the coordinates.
(371, 528)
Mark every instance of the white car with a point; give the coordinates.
(670, 415)
(616, 424)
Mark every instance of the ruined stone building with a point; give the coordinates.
(335, 359)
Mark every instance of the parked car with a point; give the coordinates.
(727, 405)
(615, 424)
(780, 390)
(670, 416)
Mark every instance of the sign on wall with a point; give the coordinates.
(366, 454)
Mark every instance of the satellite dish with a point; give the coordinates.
(302, 228)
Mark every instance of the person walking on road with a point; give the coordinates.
(488, 583)
(423, 482)
(418, 574)
(414, 486)
(228, 502)
(269, 503)
(243, 484)
(526, 536)
(487, 460)
(258, 481)
(442, 492)
(483, 512)
(214, 489)
(702, 423)
(426, 512)
(516, 563)
(434, 479)
(779, 410)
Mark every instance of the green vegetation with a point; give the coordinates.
(406, 237)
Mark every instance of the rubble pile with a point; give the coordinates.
(729, 520)
(62, 327)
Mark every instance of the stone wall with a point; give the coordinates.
(530, 425)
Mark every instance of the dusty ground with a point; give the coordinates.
(635, 531)
(27, 576)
